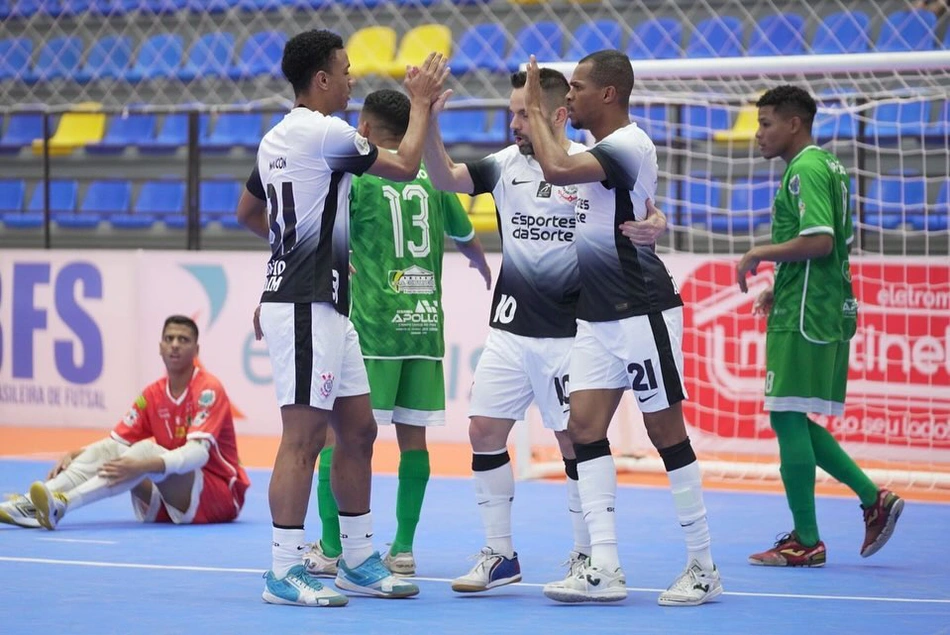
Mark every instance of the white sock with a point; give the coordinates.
(356, 535)
(687, 486)
(597, 484)
(287, 550)
(494, 493)
(96, 488)
(85, 465)
(581, 534)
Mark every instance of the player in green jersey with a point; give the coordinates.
(396, 238)
(812, 315)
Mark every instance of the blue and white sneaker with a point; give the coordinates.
(373, 578)
(299, 588)
(492, 570)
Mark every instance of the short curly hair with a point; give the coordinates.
(790, 100)
(307, 53)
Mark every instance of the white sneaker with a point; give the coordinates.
(491, 570)
(50, 506)
(589, 583)
(695, 586)
(401, 564)
(318, 563)
(18, 510)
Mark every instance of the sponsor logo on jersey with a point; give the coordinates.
(414, 280)
(539, 227)
(206, 398)
(326, 387)
(425, 312)
(544, 190)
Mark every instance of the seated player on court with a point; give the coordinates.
(175, 449)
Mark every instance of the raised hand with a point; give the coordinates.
(439, 104)
(532, 94)
(426, 82)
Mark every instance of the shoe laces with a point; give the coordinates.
(575, 563)
(483, 557)
(687, 580)
(781, 539)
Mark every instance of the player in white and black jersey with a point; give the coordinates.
(532, 319)
(629, 328)
(298, 197)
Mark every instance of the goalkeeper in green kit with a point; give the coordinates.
(812, 315)
(396, 238)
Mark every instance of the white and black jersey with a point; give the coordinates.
(304, 167)
(538, 285)
(620, 279)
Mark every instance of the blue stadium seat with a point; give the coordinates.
(219, 197)
(481, 47)
(158, 7)
(125, 132)
(22, 129)
(594, 36)
(59, 58)
(108, 59)
(210, 56)
(544, 40)
(750, 206)
(5, 9)
(716, 37)
(211, 6)
(843, 32)
(15, 54)
(234, 130)
(68, 8)
(782, 34)
(103, 198)
(173, 134)
(260, 55)
(656, 39)
(275, 119)
(890, 198)
(62, 197)
(941, 127)
(12, 193)
(156, 200)
(25, 8)
(160, 56)
(907, 31)
(274, 5)
(700, 122)
(900, 119)
(939, 213)
(701, 198)
(479, 126)
(654, 120)
(310, 4)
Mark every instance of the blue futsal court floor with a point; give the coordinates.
(102, 572)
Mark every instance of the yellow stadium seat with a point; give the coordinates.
(747, 122)
(466, 201)
(371, 51)
(417, 44)
(482, 214)
(77, 128)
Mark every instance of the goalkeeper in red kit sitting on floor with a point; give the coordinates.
(175, 450)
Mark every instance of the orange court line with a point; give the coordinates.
(447, 459)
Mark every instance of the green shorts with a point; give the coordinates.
(804, 377)
(410, 391)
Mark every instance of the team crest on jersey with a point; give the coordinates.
(361, 143)
(131, 417)
(327, 386)
(795, 185)
(544, 190)
(801, 207)
(846, 270)
(206, 398)
(414, 280)
(568, 194)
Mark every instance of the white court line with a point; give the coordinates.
(175, 567)
(91, 542)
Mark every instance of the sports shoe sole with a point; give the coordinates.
(815, 565)
(712, 594)
(465, 587)
(888, 530)
(41, 501)
(575, 597)
(346, 585)
(339, 600)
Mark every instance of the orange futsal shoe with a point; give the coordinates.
(788, 552)
(880, 520)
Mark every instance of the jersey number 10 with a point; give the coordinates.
(282, 242)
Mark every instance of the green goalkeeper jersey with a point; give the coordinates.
(397, 241)
(814, 297)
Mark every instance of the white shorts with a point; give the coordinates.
(314, 352)
(644, 352)
(514, 370)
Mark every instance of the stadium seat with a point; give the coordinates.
(15, 54)
(210, 6)
(309, 4)
(103, 199)
(941, 127)
(234, 130)
(654, 120)
(465, 200)
(158, 7)
(481, 47)
(219, 197)
(898, 119)
(544, 40)
(156, 200)
(12, 193)
(750, 206)
(834, 120)
(476, 126)
(210, 56)
(62, 197)
(76, 129)
(782, 34)
(890, 198)
(937, 215)
(744, 128)
(108, 59)
(656, 39)
(842, 32)
(160, 56)
(701, 122)
(594, 36)
(173, 134)
(701, 198)
(716, 37)
(25, 8)
(58, 59)
(907, 31)
(483, 215)
(125, 131)
(417, 44)
(22, 129)
(260, 55)
(371, 50)
(275, 119)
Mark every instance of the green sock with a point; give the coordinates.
(329, 513)
(834, 460)
(413, 476)
(797, 458)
